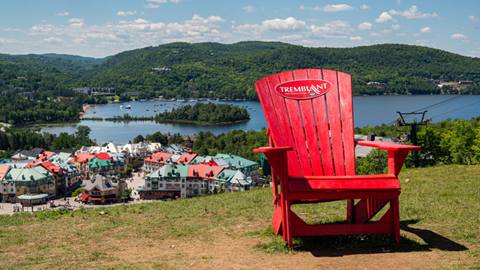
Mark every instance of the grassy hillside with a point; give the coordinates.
(439, 213)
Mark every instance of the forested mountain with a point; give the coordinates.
(229, 71)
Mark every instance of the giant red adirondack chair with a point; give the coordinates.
(312, 154)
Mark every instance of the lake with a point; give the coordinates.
(368, 110)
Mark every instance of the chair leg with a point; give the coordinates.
(277, 218)
(288, 225)
(396, 219)
(350, 210)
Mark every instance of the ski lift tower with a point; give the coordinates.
(413, 120)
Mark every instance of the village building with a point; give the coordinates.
(157, 160)
(35, 180)
(58, 176)
(186, 158)
(169, 181)
(101, 189)
(61, 157)
(246, 166)
(231, 181)
(45, 155)
(100, 166)
(72, 178)
(81, 160)
(7, 188)
(32, 199)
(27, 154)
(206, 174)
(141, 149)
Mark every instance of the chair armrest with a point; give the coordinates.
(396, 153)
(389, 146)
(269, 149)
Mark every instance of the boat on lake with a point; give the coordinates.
(128, 107)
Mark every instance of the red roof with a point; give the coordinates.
(46, 155)
(33, 163)
(103, 156)
(158, 157)
(186, 158)
(51, 167)
(204, 171)
(211, 162)
(83, 197)
(3, 170)
(83, 157)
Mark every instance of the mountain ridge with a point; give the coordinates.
(229, 71)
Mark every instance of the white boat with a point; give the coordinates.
(128, 107)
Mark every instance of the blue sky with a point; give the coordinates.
(104, 27)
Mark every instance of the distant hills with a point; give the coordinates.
(230, 70)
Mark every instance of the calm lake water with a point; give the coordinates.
(369, 110)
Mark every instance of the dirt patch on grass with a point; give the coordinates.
(224, 252)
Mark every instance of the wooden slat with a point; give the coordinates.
(335, 122)
(340, 229)
(332, 185)
(281, 130)
(340, 195)
(295, 122)
(321, 122)
(309, 127)
(346, 108)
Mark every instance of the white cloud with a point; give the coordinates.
(158, 3)
(126, 13)
(42, 29)
(384, 17)
(396, 26)
(63, 14)
(328, 8)
(364, 7)
(425, 29)
(53, 40)
(365, 26)
(332, 29)
(458, 36)
(337, 7)
(5, 41)
(287, 24)
(412, 13)
(248, 9)
(473, 18)
(356, 38)
(76, 22)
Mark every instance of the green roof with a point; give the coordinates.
(25, 175)
(170, 170)
(96, 163)
(61, 157)
(235, 161)
(226, 175)
(32, 196)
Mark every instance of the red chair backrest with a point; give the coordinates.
(312, 111)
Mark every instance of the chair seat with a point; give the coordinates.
(343, 183)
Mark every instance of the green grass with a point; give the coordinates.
(443, 200)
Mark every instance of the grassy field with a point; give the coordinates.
(440, 213)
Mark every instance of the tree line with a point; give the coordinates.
(14, 139)
(204, 113)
